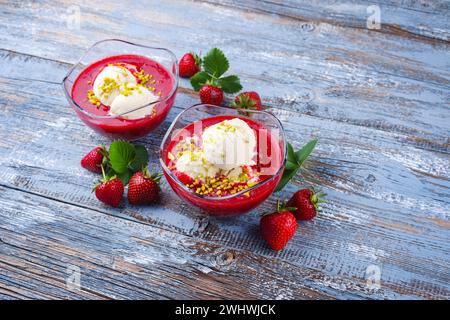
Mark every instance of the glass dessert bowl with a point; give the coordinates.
(223, 160)
(121, 89)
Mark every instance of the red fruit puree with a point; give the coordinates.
(117, 127)
(207, 193)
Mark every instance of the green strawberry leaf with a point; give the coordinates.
(110, 173)
(230, 84)
(302, 154)
(215, 63)
(199, 79)
(291, 153)
(121, 153)
(291, 165)
(197, 58)
(294, 162)
(125, 176)
(140, 160)
(287, 175)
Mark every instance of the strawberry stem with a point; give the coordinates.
(103, 172)
(156, 177)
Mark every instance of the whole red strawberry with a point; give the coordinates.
(93, 160)
(143, 187)
(278, 228)
(189, 65)
(109, 190)
(248, 100)
(307, 203)
(211, 95)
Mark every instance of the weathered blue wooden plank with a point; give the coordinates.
(320, 71)
(396, 17)
(43, 242)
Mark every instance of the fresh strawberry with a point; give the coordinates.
(143, 187)
(109, 190)
(93, 160)
(211, 95)
(248, 100)
(183, 177)
(189, 65)
(278, 228)
(307, 203)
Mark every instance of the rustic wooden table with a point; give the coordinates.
(377, 100)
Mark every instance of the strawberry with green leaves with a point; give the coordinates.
(143, 187)
(94, 159)
(211, 82)
(248, 100)
(189, 65)
(306, 201)
(211, 95)
(121, 161)
(279, 227)
(125, 159)
(109, 190)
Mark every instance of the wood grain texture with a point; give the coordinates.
(377, 101)
(406, 18)
(367, 70)
(41, 238)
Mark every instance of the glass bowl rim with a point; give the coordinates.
(231, 196)
(90, 114)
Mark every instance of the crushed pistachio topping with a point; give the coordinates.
(93, 99)
(188, 145)
(226, 127)
(143, 78)
(243, 177)
(195, 155)
(218, 186)
(109, 84)
(126, 90)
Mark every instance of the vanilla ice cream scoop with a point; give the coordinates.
(131, 97)
(107, 83)
(194, 165)
(229, 144)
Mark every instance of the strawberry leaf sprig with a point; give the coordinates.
(295, 159)
(215, 64)
(123, 164)
(125, 159)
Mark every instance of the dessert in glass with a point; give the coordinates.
(122, 90)
(223, 160)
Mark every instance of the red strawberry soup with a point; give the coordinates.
(124, 96)
(224, 164)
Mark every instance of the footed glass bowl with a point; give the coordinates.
(164, 68)
(271, 156)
